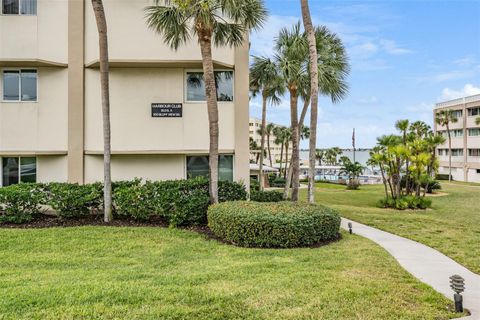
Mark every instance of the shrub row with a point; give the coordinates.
(406, 202)
(179, 202)
(266, 196)
(281, 224)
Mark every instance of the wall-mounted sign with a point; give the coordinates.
(166, 110)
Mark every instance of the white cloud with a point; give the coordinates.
(391, 47)
(467, 90)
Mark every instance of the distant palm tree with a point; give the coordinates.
(445, 118)
(320, 156)
(287, 136)
(278, 131)
(101, 21)
(402, 126)
(266, 81)
(269, 131)
(304, 133)
(223, 23)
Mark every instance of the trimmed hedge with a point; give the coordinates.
(273, 225)
(20, 202)
(266, 196)
(179, 202)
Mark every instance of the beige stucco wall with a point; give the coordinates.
(41, 125)
(132, 90)
(43, 36)
(127, 167)
(52, 168)
(130, 39)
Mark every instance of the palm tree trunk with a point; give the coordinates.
(286, 159)
(269, 151)
(205, 39)
(384, 180)
(295, 146)
(104, 83)
(281, 158)
(449, 155)
(312, 47)
(262, 139)
(306, 103)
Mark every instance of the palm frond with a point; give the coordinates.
(171, 22)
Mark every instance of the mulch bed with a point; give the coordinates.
(46, 221)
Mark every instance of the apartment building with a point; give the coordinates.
(275, 149)
(50, 106)
(465, 139)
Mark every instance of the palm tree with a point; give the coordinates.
(402, 126)
(378, 158)
(320, 156)
(265, 80)
(279, 140)
(287, 136)
(224, 23)
(333, 68)
(269, 131)
(445, 118)
(353, 170)
(291, 52)
(104, 85)
(305, 133)
(313, 64)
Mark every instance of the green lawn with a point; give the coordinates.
(153, 273)
(452, 226)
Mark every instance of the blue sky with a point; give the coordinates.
(405, 56)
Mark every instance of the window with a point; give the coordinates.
(442, 152)
(20, 85)
(15, 170)
(457, 113)
(474, 152)
(22, 7)
(457, 152)
(198, 166)
(473, 112)
(474, 132)
(196, 86)
(453, 133)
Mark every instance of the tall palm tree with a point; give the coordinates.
(320, 156)
(279, 140)
(445, 118)
(101, 21)
(269, 131)
(313, 64)
(221, 22)
(287, 138)
(265, 80)
(291, 52)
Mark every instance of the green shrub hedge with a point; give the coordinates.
(281, 224)
(266, 196)
(19, 203)
(406, 202)
(178, 202)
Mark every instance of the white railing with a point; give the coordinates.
(459, 101)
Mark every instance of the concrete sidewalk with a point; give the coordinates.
(426, 264)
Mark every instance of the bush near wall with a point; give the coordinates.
(281, 224)
(179, 202)
(19, 203)
(266, 196)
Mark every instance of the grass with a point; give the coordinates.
(452, 226)
(152, 273)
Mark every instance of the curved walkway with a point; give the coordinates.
(426, 264)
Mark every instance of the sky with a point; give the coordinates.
(404, 55)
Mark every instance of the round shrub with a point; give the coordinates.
(270, 225)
